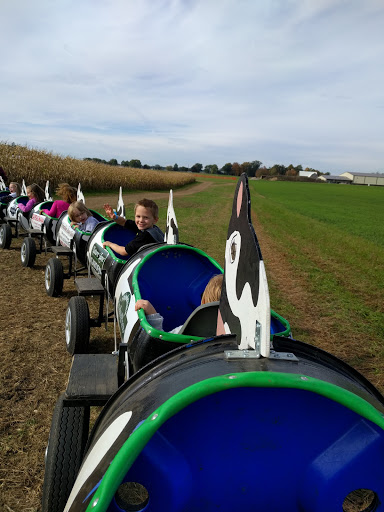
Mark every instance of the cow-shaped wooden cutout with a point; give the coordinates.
(23, 189)
(80, 195)
(120, 209)
(244, 307)
(172, 231)
(48, 196)
(2, 184)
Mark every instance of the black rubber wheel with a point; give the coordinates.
(66, 445)
(5, 236)
(54, 277)
(28, 252)
(77, 326)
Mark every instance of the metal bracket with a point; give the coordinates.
(242, 354)
(284, 356)
(254, 354)
(258, 338)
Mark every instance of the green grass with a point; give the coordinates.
(356, 210)
(332, 238)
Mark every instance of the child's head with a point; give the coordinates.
(34, 191)
(78, 212)
(212, 291)
(67, 192)
(146, 213)
(15, 187)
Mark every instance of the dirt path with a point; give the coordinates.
(97, 201)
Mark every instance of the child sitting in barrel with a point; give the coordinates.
(68, 195)
(146, 216)
(81, 218)
(35, 195)
(211, 293)
(15, 191)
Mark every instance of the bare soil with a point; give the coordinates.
(35, 365)
(130, 199)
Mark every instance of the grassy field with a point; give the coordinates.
(330, 239)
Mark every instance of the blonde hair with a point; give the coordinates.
(151, 205)
(37, 192)
(212, 291)
(78, 205)
(18, 187)
(67, 192)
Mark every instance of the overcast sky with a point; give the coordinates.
(186, 81)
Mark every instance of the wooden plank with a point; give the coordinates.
(92, 379)
(60, 249)
(89, 286)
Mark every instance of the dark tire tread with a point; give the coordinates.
(67, 441)
(79, 332)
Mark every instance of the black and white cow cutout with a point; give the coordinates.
(2, 184)
(244, 307)
(48, 195)
(23, 189)
(172, 230)
(120, 209)
(80, 195)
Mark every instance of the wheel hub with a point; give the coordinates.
(68, 327)
(23, 252)
(47, 278)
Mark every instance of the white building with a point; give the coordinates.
(364, 178)
(337, 179)
(308, 174)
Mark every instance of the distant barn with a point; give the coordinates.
(355, 178)
(337, 179)
(364, 178)
(308, 174)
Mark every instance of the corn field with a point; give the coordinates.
(38, 166)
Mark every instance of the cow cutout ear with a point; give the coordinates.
(172, 230)
(48, 196)
(244, 308)
(23, 189)
(120, 209)
(80, 195)
(2, 184)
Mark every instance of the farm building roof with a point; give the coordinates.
(368, 174)
(338, 178)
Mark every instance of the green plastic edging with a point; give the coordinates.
(140, 437)
(282, 320)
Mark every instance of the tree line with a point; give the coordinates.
(252, 169)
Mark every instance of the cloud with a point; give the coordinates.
(183, 81)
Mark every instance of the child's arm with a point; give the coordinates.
(52, 212)
(153, 318)
(146, 305)
(119, 249)
(111, 214)
(30, 204)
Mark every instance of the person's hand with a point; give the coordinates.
(109, 211)
(146, 306)
(106, 244)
